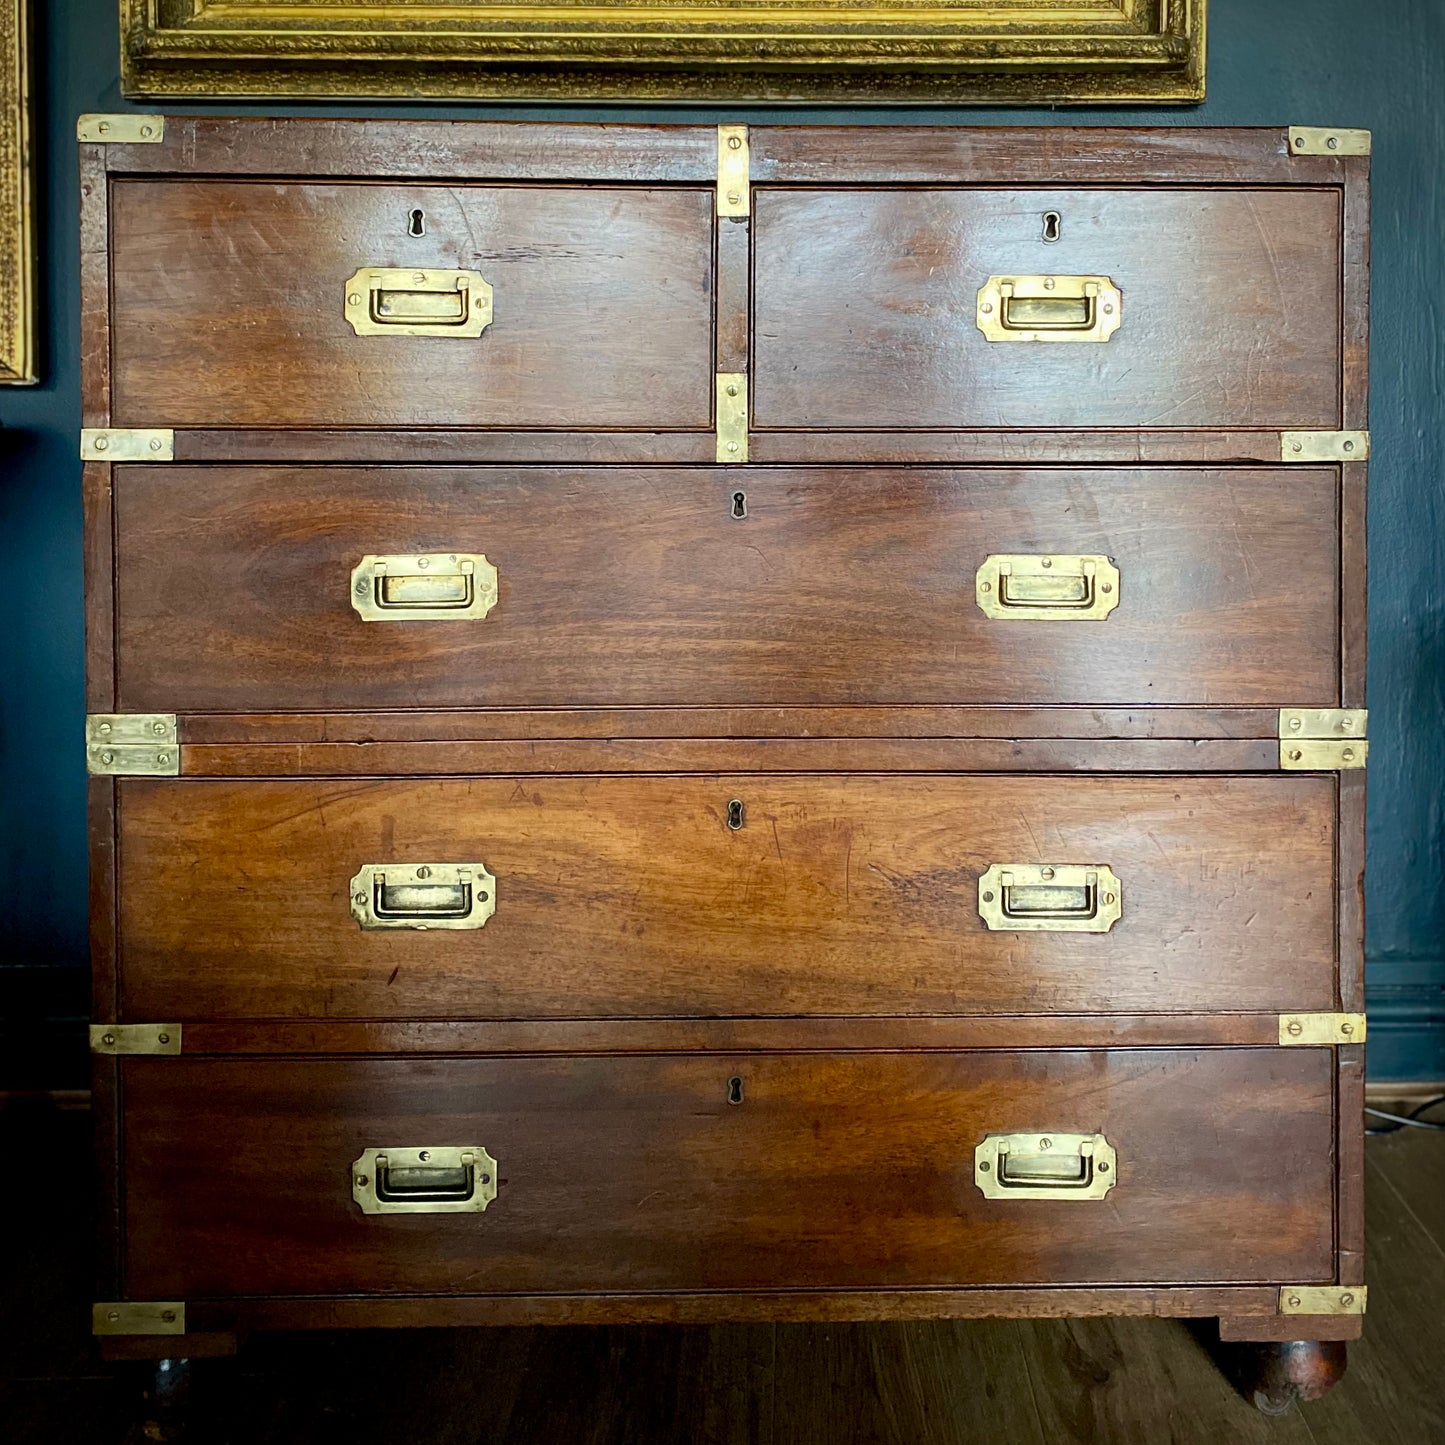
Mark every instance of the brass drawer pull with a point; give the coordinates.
(1049, 308)
(435, 587)
(397, 301)
(1045, 1165)
(433, 1180)
(423, 896)
(1057, 898)
(1056, 588)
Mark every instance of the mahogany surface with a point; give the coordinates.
(836, 1171)
(632, 897)
(631, 587)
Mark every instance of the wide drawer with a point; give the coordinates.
(255, 588)
(640, 1173)
(868, 309)
(233, 305)
(637, 896)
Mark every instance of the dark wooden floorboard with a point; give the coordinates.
(1095, 1382)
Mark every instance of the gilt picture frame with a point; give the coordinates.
(17, 215)
(997, 52)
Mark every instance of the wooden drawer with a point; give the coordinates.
(229, 305)
(630, 896)
(633, 587)
(637, 1173)
(866, 308)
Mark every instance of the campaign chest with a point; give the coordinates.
(698, 723)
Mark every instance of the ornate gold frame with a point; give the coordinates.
(960, 51)
(17, 237)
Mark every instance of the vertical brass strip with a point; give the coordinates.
(733, 171)
(732, 417)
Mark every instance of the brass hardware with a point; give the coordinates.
(138, 1317)
(1315, 756)
(1322, 1299)
(1323, 722)
(127, 444)
(432, 587)
(737, 815)
(406, 301)
(131, 130)
(734, 196)
(153, 1039)
(732, 416)
(1322, 739)
(1057, 898)
(1324, 446)
(1056, 588)
(1314, 1030)
(434, 1180)
(423, 896)
(1314, 140)
(1045, 1165)
(1049, 308)
(125, 745)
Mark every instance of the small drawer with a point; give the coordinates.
(639, 896)
(369, 589)
(932, 308)
(713, 1172)
(280, 304)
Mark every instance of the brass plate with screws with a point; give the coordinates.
(423, 896)
(132, 745)
(433, 1179)
(1324, 446)
(127, 444)
(1323, 722)
(1316, 140)
(1056, 588)
(132, 130)
(1318, 1029)
(1327, 1299)
(1047, 1164)
(733, 167)
(138, 1317)
(1321, 756)
(153, 1039)
(732, 417)
(1050, 898)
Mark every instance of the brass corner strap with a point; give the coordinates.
(1322, 1299)
(1317, 1030)
(732, 416)
(123, 129)
(734, 194)
(127, 444)
(138, 1317)
(1324, 446)
(128, 745)
(1323, 739)
(136, 1039)
(1318, 140)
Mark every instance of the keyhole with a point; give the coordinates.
(735, 1090)
(736, 814)
(740, 504)
(416, 224)
(1053, 225)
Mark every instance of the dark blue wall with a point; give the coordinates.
(1325, 62)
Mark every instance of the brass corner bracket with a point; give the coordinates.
(122, 129)
(127, 444)
(1317, 140)
(1317, 1030)
(1323, 739)
(1327, 1299)
(136, 1039)
(120, 745)
(138, 1317)
(1324, 446)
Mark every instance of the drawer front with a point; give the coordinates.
(236, 587)
(638, 1174)
(230, 306)
(867, 309)
(631, 896)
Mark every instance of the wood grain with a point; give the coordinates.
(630, 896)
(837, 1172)
(641, 588)
(865, 309)
(229, 300)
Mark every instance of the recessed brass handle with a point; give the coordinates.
(1045, 1165)
(1057, 588)
(423, 896)
(431, 587)
(1049, 308)
(1050, 898)
(430, 1180)
(401, 301)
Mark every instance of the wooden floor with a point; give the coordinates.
(1014, 1383)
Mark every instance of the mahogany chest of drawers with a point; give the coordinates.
(692, 724)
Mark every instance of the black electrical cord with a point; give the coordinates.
(1412, 1120)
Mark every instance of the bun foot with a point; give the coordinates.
(1276, 1376)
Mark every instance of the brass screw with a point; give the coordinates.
(734, 198)
(1348, 755)
(163, 759)
(104, 129)
(155, 444)
(984, 1166)
(732, 391)
(1046, 873)
(1347, 1028)
(732, 446)
(1333, 143)
(1347, 724)
(419, 278)
(1347, 1300)
(1049, 284)
(1047, 562)
(361, 898)
(163, 1038)
(1349, 446)
(104, 728)
(423, 871)
(1103, 1167)
(988, 897)
(147, 132)
(169, 1316)
(422, 564)
(1046, 1143)
(102, 444)
(107, 758)
(985, 586)
(987, 308)
(362, 1181)
(424, 1155)
(1108, 308)
(112, 1315)
(107, 1039)
(1109, 898)
(1294, 1301)
(353, 300)
(1297, 446)
(1295, 724)
(159, 729)
(1106, 588)
(735, 143)
(1295, 755)
(1295, 1029)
